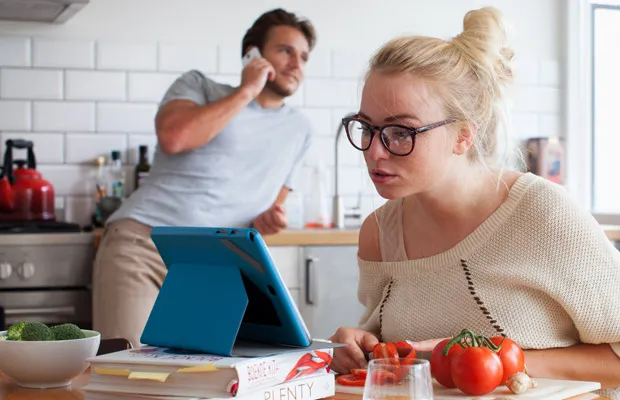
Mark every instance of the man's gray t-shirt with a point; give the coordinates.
(230, 180)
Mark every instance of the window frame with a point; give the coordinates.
(580, 103)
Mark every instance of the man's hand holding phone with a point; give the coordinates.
(256, 72)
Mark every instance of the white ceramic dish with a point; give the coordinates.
(47, 364)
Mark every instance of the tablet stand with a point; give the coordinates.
(222, 295)
(199, 309)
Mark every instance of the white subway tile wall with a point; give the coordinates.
(42, 84)
(95, 85)
(186, 56)
(15, 51)
(63, 53)
(79, 99)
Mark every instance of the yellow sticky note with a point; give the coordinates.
(112, 371)
(151, 376)
(199, 368)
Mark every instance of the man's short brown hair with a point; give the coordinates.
(257, 34)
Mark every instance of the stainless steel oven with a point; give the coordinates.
(45, 275)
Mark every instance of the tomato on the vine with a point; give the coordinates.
(476, 371)
(440, 364)
(511, 355)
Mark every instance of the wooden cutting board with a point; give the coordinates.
(547, 389)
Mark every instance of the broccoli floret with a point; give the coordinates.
(67, 332)
(15, 331)
(36, 331)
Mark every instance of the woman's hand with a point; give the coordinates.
(425, 345)
(359, 343)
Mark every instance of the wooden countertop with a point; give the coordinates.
(313, 237)
(335, 237)
(10, 391)
(301, 237)
(612, 232)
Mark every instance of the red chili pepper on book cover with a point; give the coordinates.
(309, 363)
(305, 370)
(324, 356)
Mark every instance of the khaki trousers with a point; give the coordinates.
(127, 276)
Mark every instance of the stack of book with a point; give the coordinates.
(160, 373)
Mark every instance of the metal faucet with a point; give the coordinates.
(339, 210)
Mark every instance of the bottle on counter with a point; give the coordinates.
(316, 208)
(117, 175)
(143, 167)
(101, 186)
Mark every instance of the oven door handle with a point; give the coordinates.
(12, 312)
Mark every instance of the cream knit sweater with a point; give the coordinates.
(539, 270)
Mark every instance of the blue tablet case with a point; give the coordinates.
(222, 288)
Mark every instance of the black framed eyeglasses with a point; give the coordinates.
(397, 139)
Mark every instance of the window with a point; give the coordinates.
(605, 79)
(593, 84)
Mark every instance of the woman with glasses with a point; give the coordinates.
(463, 242)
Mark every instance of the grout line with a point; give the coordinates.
(31, 52)
(158, 56)
(127, 78)
(95, 57)
(31, 115)
(64, 84)
(218, 60)
(80, 101)
(64, 148)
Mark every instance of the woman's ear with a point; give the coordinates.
(466, 134)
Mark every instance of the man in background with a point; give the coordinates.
(226, 157)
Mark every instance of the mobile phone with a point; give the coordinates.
(253, 53)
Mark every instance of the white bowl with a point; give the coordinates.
(47, 364)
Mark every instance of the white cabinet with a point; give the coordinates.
(287, 259)
(323, 283)
(328, 296)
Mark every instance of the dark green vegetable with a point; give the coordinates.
(36, 331)
(67, 332)
(15, 331)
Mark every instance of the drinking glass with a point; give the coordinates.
(388, 379)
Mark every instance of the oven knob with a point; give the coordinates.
(5, 270)
(26, 270)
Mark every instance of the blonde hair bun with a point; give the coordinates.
(471, 73)
(484, 41)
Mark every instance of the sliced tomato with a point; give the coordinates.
(404, 350)
(362, 372)
(382, 377)
(385, 350)
(350, 380)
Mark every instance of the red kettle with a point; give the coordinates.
(24, 194)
